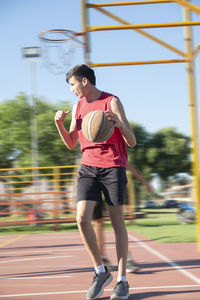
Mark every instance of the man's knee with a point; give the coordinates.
(82, 221)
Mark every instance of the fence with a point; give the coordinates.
(43, 195)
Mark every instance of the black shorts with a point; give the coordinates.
(98, 210)
(93, 181)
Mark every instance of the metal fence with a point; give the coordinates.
(44, 195)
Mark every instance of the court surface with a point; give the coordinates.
(56, 266)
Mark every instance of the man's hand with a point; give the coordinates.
(60, 116)
(113, 117)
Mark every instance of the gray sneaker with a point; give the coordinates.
(132, 267)
(121, 291)
(99, 283)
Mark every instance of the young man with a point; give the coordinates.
(102, 169)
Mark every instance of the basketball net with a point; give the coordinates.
(58, 49)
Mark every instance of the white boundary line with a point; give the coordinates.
(80, 248)
(36, 277)
(166, 259)
(35, 258)
(106, 290)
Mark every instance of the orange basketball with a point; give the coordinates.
(96, 127)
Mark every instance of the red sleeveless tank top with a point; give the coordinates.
(110, 153)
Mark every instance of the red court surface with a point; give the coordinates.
(56, 266)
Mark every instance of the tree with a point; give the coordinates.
(15, 134)
(169, 153)
(138, 157)
(165, 153)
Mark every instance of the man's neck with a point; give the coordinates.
(93, 95)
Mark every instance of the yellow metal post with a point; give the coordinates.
(189, 5)
(122, 3)
(131, 195)
(84, 19)
(142, 32)
(140, 26)
(56, 189)
(193, 120)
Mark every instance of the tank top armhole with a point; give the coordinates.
(109, 102)
(77, 110)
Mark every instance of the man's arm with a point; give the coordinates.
(118, 117)
(139, 177)
(69, 138)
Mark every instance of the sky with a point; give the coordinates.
(154, 96)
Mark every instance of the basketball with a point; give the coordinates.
(96, 127)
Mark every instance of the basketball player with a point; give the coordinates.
(103, 168)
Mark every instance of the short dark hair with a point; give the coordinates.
(81, 71)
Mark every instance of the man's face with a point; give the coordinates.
(77, 87)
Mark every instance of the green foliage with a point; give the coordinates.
(15, 134)
(138, 156)
(168, 153)
(165, 153)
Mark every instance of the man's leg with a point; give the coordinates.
(102, 277)
(98, 223)
(121, 289)
(121, 237)
(84, 217)
(98, 228)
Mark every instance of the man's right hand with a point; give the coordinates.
(60, 116)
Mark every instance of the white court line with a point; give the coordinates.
(34, 277)
(106, 290)
(35, 258)
(53, 250)
(62, 235)
(166, 259)
(66, 237)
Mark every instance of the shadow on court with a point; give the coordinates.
(49, 273)
(151, 268)
(162, 294)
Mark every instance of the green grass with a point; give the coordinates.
(164, 227)
(159, 225)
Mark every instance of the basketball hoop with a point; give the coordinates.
(58, 48)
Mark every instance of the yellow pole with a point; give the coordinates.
(84, 19)
(123, 3)
(193, 121)
(192, 7)
(128, 63)
(139, 26)
(56, 177)
(140, 31)
(131, 195)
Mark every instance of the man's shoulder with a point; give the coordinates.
(106, 94)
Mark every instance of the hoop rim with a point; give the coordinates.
(71, 35)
